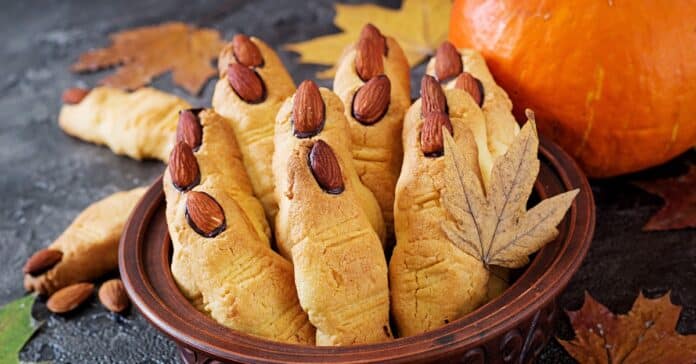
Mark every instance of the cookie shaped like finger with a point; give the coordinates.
(315, 113)
(372, 80)
(139, 124)
(432, 281)
(340, 269)
(86, 250)
(253, 85)
(222, 260)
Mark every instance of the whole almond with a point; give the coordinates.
(246, 52)
(246, 83)
(74, 95)
(372, 32)
(189, 129)
(204, 214)
(308, 110)
(372, 100)
(433, 98)
(113, 295)
(432, 143)
(183, 167)
(448, 62)
(472, 85)
(369, 51)
(41, 261)
(325, 168)
(70, 297)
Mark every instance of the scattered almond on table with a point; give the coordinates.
(70, 297)
(113, 295)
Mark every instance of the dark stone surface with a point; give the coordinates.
(49, 177)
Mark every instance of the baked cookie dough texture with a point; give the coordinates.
(89, 245)
(139, 124)
(253, 123)
(230, 272)
(376, 148)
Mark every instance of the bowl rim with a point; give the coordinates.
(485, 323)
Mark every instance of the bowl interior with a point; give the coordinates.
(145, 253)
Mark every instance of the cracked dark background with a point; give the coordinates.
(48, 177)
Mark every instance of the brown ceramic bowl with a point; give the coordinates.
(512, 328)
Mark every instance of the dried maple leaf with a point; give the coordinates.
(147, 52)
(492, 224)
(419, 26)
(645, 335)
(679, 194)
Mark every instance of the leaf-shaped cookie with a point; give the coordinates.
(493, 224)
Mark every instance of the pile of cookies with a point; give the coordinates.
(334, 178)
(308, 215)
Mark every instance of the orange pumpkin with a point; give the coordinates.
(612, 81)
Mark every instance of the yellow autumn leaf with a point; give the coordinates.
(492, 223)
(419, 26)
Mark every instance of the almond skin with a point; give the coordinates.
(433, 98)
(325, 168)
(472, 85)
(42, 261)
(189, 129)
(369, 51)
(113, 296)
(70, 297)
(246, 52)
(448, 62)
(308, 110)
(246, 83)
(74, 95)
(371, 31)
(183, 167)
(432, 143)
(204, 214)
(371, 102)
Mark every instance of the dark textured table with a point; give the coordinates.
(48, 177)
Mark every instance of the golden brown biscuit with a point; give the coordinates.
(375, 124)
(219, 154)
(340, 269)
(432, 281)
(501, 127)
(203, 158)
(221, 262)
(330, 126)
(138, 124)
(253, 120)
(89, 246)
